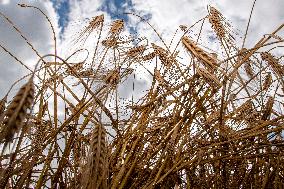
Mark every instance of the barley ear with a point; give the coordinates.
(96, 173)
(16, 112)
(3, 102)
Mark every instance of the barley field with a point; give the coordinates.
(207, 119)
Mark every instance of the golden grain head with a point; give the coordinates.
(209, 77)
(96, 21)
(3, 102)
(116, 27)
(267, 81)
(207, 60)
(110, 42)
(17, 111)
(248, 69)
(273, 62)
(216, 20)
(268, 108)
(135, 51)
(149, 56)
(183, 28)
(95, 175)
(78, 67)
(113, 77)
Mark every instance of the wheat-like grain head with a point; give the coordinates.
(183, 28)
(96, 172)
(78, 67)
(110, 42)
(3, 102)
(93, 24)
(133, 52)
(267, 81)
(116, 27)
(244, 110)
(209, 77)
(17, 111)
(209, 62)
(215, 20)
(268, 108)
(248, 69)
(113, 77)
(96, 21)
(88, 73)
(273, 62)
(247, 63)
(149, 56)
(166, 58)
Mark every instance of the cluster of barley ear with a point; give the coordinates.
(206, 119)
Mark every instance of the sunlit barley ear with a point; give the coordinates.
(209, 77)
(116, 27)
(95, 23)
(206, 60)
(267, 82)
(95, 173)
(215, 18)
(183, 28)
(273, 63)
(268, 108)
(2, 108)
(16, 112)
(249, 69)
(149, 56)
(135, 51)
(110, 42)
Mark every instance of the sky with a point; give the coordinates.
(68, 17)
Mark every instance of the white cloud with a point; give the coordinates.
(168, 15)
(4, 2)
(34, 27)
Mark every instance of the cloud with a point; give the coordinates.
(266, 17)
(166, 16)
(34, 27)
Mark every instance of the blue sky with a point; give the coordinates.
(114, 8)
(62, 8)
